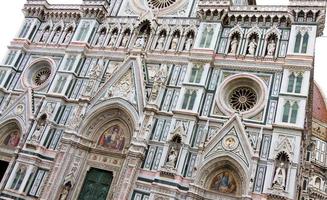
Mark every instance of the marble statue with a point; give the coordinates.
(140, 41)
(174, 42)
(160, 43)
(172, 158)
(68, 37)
(101, 39)
(56, 37)
(125, 40)
(45, 36)
(113, 39)
(252, 47)
(188, 43)
(280, 176)
(271, 48)
(234, 45)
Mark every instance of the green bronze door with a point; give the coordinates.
(96, 185)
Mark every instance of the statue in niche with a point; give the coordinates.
(174, 42)
(113, 39)
(140, 41)
(189, 43)
(65, 192)
(271, 48)
(12, 139)
(56, 37)
(161, 41)
(101, 38)
(68, 36)
(252, 47)
(113, 138)
(159, 80)
(40, 125)
(45, 35)
(125, 40)
(280, 176)
(172, 158)
(224, 182)
(234, 45)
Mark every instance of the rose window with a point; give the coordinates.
(41, 76)
(160, 4)
(242, 99)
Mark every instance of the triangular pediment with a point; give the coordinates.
(125, 83)
(19, 108)
(230, 140)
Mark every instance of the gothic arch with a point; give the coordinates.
(70, 26)
(112, 109)
(59, 24)
(210, 169)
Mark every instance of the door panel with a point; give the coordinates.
(96, 185)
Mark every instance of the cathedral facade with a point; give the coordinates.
(160, 100)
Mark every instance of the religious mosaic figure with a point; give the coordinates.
(271, 48)
(234, 45)
(160, 43)
(12, 139)
(224, 183)
(113, 138)
(252, 47)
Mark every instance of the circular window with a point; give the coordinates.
(41, 76)
(242, 93)
(38, 74)
(243, 99)
(160, 4)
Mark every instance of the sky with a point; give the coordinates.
(11, 18)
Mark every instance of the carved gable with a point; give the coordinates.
(125, 83)
(230, 140)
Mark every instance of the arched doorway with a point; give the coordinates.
(101, 175)
(10, 135)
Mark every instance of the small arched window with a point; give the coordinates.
(295, 108)
(189, 99)
(295, 82)
(298, 85)
(301, 43)
(297, 42)
(305, 43)
(287, 108)
(18, 179)
(291, 79)
(196, 74)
